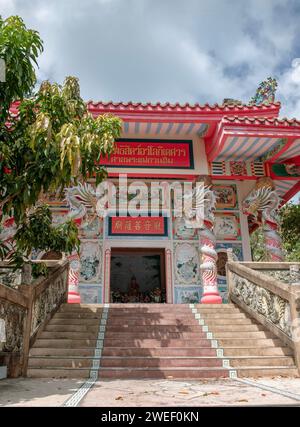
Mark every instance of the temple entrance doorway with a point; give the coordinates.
(137, 275)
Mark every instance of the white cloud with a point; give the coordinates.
(289, 89)
(7, 7)
(167, 50)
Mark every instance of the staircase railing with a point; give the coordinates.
(25, 312)
(270, 293)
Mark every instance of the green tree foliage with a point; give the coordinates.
(289, 217)
(257, 245)
(61, 238)
(52, 143)
(19, 48)
(290, 230)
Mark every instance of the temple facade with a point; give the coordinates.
(249, 163)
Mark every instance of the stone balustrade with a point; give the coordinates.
(26, 309)
(270, 293)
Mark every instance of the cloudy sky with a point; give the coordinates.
(168, 50)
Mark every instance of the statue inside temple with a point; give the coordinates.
(134, 288)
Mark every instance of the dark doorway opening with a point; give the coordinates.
(137, 275)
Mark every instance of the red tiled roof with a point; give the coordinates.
(177, 107)
(261, 121)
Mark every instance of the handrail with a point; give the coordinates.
(274, 304)
(31, 307)
(13, 296)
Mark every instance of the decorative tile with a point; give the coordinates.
(223, 292)
(181, 232)
(226, 196)
(238, 168)
(187, 294)
(221, 249)
(91, 228)
(186, 263)
(227, 226)
(90, 261)
(90, 294)
(59, 216)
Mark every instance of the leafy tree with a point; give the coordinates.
(290, 230)
(19, 48)
(52, 143)
(289, 216)
(257, 244)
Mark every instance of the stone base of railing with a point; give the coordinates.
(270, 293)
(13, 362)
(25, 312)
(3, 372)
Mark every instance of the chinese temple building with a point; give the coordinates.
(186, 186)
(249, 161)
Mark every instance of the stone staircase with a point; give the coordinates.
(159, 341)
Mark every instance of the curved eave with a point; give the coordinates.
(253, 138)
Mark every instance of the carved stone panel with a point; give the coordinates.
(90, 261)
(186, 263)
(274, 308)
(48, 300)
(14, 317)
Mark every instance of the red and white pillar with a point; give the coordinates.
(208, 265)
(209, 256)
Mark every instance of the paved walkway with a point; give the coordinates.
(157, 393)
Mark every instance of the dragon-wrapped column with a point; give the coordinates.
(209, 256)
(265, 201)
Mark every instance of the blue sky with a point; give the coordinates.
(169, 50)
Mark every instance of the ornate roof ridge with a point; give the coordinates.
(270, 121)
(158, 106)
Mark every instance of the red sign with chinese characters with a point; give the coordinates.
(137, 226)
(151, 154)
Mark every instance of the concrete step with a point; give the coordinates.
(68, 335)
(225, 315)
(81, 307)
(93, 328)
(237, 362)
(74, 321)
(217, 308)
(58, 373)
(152, 328)
(230, 323)
(153, 343)
(59, 362)
(65, 352)
(150, 314)
(150, 306)
(150, 320)
(273, 371)
(243, 329)
(122, 362)
(248, 342)
(161, 362)
(153, 334)
(157, 341)
(240, 334)
(179, 373)
(258, 351)
(81, 310)
(159, 352)
(65, 343)
(79, 315)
